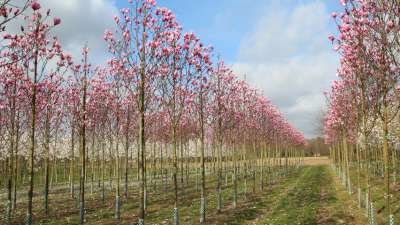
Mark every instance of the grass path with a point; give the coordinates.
(307, 196)
(315, 197)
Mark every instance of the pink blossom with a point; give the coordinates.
(390, 25)
(35, 6)
(7, 36)
(56, 21)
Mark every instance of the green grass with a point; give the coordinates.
(309, 195)
(314, 198)
(377, 192)
(299, 204)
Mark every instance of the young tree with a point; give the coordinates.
(39, 51)
(135, 47)
(83, 88)
(201, 68)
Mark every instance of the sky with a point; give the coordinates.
(278, 46)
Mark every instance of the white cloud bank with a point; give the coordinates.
(288, 56)
(83, 21)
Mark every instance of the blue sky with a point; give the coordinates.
(281, 46)
(224, 23)
(278, 46)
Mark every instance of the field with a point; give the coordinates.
(310, 194)
(113, 112)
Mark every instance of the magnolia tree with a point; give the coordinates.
(83, 74)
(137, 31)
(11, 9)
(369, 73)
(38, 55)
(161, 88)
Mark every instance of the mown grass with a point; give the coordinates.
(315, 198)
(377, 192)
(308, 195)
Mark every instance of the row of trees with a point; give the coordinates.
(362, 122)
(161, 90)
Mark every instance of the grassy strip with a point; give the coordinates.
(317, 198)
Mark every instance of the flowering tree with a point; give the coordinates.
(164, 78)
(13, 99)
(222, 79)
(201, 68)
(9, 10)
(369, 71)
(82, 73)
(39, 50)
(139, 30)
(51, 98)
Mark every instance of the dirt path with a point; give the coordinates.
(316, 161)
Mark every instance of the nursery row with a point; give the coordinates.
(161, 105)
(362, 123)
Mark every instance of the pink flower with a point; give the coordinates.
(334, 15)
(390, 25)
(152, 2)
(331, 38)
(35, 6)
(116, 19)
(16, 12)
(57, 21)
(7, 36)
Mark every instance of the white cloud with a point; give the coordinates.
(288, 56)
(83, 21)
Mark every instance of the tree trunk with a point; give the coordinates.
(386, 159)
(29, 219)
(117, 189)
(203, 177)
(47, 163)
(72, 159)
(83, 148)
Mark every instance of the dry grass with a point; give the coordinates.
(316, 161)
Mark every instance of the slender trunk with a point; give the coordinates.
(117, 188)
(181, 160)
(16, 171)
(29, 219)
(10, 172)
(219, 175)
(175, 172)
(126, 152)
(72, 159)
(142, 140)
(47, 166)
(83, 148)
(358, 175)
(235, 191)
(103, 168)
(92, 174)
(203, 174)
(386, 159)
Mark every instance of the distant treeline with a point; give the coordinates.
(316, 146)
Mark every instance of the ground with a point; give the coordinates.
(310, 195)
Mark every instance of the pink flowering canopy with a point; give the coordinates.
(161, 91)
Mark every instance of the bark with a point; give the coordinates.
(47, 163)
(29, 219)
(72, 159)
(83, 149)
